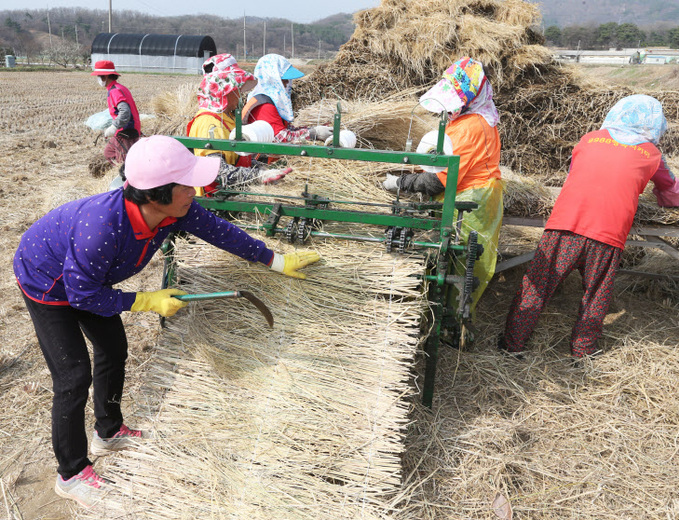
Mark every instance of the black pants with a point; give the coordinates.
(60, 334)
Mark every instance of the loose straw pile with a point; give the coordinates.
(305, 420)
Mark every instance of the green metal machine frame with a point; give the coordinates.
(449, 312)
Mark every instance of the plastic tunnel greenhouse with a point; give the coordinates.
(154, 52)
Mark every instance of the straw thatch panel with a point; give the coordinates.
(305, 420)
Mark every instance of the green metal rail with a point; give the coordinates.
(447, 314)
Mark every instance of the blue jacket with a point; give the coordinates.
(78, 251)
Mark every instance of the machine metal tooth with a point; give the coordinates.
(302, 231)
(403, 240)
(291, 231)
(390, 238)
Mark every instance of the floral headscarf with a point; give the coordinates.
(636, 119)
(224, 79)
(464, 89)
(219, 62)
(268, 72)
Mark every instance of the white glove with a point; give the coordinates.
(110, 131)
(391, 183)
(320, 133)
(271, 176)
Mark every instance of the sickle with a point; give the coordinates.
(231, 294)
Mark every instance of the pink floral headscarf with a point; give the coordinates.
(219, 62)
(226, 77)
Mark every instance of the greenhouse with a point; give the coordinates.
(154, 52)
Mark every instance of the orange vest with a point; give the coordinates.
(478, 145)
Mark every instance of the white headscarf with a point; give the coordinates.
(268, 72)
(636, 119)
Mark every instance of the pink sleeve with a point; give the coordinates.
(666, 189)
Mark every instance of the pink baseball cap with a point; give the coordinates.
(158, 160)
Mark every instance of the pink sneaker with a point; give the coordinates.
(124, 438)
(87, 488)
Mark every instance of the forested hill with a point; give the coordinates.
(31, 31)
(585, 12)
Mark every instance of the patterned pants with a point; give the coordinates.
(559, 253)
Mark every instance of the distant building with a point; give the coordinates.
(182, 53)
(653, 55)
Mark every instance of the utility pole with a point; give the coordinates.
(76, 33)
(245, 47)
(49, 25)
(264, 41)
(292, 38)
(284, 35)
(319, 49)
(110, 15)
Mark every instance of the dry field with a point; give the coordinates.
(599, 441)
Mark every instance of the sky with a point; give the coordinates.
(301, 11)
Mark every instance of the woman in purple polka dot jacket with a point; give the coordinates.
(69, 260)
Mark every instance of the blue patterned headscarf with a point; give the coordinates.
(636, 119)
(268, 72)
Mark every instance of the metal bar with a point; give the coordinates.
(378, 219)
(524, 221)
(664, 245)
(323, 152)
(643, 230)
(406, 207)
(657, 276)
(514, 261)
(343, 236)
(207, 296)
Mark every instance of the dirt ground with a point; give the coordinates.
(44, 162)
(46, 151)
(649, 77)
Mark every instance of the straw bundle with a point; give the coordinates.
(306, 420)
(407, 43)
(386, 124)
(173, 110)
(545, 108)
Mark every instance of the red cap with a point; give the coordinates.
(104, 68)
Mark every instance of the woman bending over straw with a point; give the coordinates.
(591, 219)
(67, 264)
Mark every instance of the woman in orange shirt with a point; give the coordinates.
(466, 95)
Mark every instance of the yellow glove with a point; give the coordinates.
(161, 302)
(289, 264)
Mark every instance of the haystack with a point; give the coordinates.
(545, 108)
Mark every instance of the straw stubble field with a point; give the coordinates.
(598, 441)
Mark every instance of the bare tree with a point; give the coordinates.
(68, 54)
